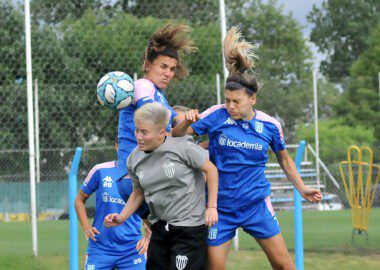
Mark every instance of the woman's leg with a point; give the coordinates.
(220, 236)
(263, 225)
(277, 253)
(217, 256)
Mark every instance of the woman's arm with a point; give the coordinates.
(212, 187)
(183, 128)
(287, 164)
(134, 202)
(80, 208)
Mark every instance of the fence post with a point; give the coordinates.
(73, 181)
(298, 226)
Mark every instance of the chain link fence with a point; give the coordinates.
(74, 43)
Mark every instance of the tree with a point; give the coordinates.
(12, 40)
(118, 43)
(335, 136)
(360, 103)
(196, 12)
(71, 54)
(53, 68)
(340, 31)
(50, 12)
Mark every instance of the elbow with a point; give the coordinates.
(175, 133)
(178, 132)
(78, 203)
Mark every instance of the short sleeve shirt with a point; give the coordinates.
(116, 240)
(172, 181)
(239, 149)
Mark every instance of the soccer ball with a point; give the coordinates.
(116, 90)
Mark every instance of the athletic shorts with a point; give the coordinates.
(101, 261)
(177, 247)
(258, 219)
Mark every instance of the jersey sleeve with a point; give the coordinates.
(132, 173)
(91, 183)
(144, 92)
(174, 113)
(193, 155)
(278, 141)
(172, 116)
(202, 126)
(211, 110)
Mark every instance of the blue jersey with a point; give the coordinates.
(145, 92)
(239, 150)
(115, 240)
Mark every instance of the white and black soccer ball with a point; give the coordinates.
(116, 90)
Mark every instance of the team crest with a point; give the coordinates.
(212, 233)
(169, 169)
(259, 127)
(181, 261)
(105, 197)
(222, 139)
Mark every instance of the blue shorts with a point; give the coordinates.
(257, 219)
(101, 261)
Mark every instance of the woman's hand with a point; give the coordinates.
(90, 233)
(192, 116)
(311, 194)
(211, 216)
(142, 245)
(112, 220)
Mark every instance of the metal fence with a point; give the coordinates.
(74, 43)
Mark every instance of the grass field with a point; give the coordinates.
(327, 241)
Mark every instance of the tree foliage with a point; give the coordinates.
(335, 136)
(360, 103)
(75, 42)
(197, 12)
(340, 31)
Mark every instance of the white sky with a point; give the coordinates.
(299, 10)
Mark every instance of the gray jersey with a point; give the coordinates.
(172, 181)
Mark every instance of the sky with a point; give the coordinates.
(299, 10)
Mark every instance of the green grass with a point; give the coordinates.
(327, 242)
(327, 231)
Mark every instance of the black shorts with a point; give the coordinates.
(177, 247)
